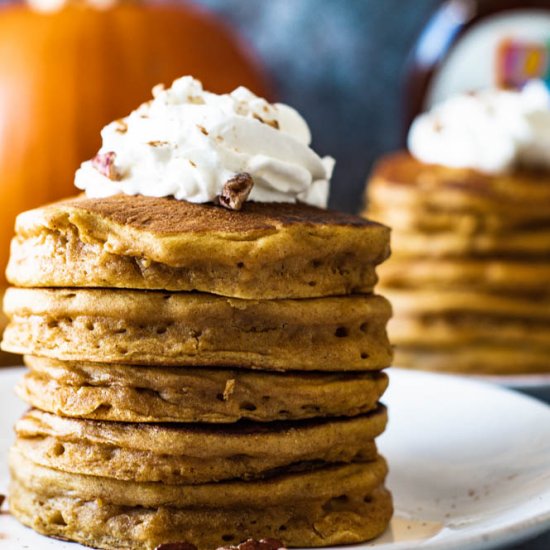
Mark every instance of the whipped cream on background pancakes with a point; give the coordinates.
(187, 143)
(492, 131)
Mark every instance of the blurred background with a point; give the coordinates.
(69, 67)
(340, 63)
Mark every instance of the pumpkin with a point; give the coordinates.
(65, 74)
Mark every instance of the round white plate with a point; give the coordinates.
(469, 465)
(521, 381)
(536, 385)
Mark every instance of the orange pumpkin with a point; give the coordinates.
(65, 74)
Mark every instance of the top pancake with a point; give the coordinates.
(411, 195)
(167, 216)
(264, 251)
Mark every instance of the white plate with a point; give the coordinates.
(469, 463)
(536, 385)
(519, 381)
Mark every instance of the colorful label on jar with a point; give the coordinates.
(503, 50)
(518, 61)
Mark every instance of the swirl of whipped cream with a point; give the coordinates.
(492, 131)
(187, 143)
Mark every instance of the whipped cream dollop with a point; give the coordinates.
(493, 131)
(187, 143)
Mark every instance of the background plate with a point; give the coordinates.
(536, 385)
(469, 465)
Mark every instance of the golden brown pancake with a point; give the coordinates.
(468, 278)
(470, 331)
(130, 393)
(6, 358)
(457, 330)
(465, 301)
(481, 359)
(325, 507)
(423, 193)
(264, 251)
(194, 453)
(199, 374)
(511, 277)
(184, 329)
(527, 246)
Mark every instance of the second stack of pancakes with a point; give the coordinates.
(198, 374)
(470, 265)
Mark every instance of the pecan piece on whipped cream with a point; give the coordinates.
(235, 191)
(104, 163)
(121, 126)
(2, 499)
(273, 123)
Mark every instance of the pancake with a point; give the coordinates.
(409, 215)
(528, 246)
(494, 276)
(437, 302)
(329, 506)
(171, 394)
(473, 343)
(409, 219)
(470, 266)
(264, 251)
(6, 358)
(470, 332)
(442, 212)
(486, 359)
(156, 328)
(463, 330)
(191, 453)
(423, 194)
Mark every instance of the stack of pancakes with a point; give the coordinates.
(470, 266)
(198, 374)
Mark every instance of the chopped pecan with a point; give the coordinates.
(121, 126)
(251, 544)
(195, 100)
(437, 125)
(104, 163)
(2, 499)
(235, 191)
(272, 123)
(176, 546)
